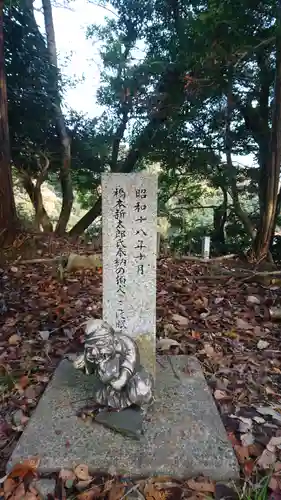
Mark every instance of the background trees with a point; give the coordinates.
(187, 88)
(7, 204)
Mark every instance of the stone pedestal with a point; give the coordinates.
(184, 435)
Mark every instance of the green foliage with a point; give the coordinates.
(90, 147)
(30, 86)
(169, 73)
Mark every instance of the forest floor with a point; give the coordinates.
(218, 311)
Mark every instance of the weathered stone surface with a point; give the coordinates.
(129, 212)
(184, 435)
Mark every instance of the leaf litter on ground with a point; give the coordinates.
(228, 328)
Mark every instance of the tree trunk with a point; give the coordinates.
(35, 195)
(8, 217)
(278, 208)
(240, 212)
(261, 244)
(65, 170)
(87, 220)
(220, 216)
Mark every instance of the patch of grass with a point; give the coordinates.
(257, 491)
(7, 381)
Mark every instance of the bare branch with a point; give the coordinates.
(97, 4)
(253, 49)
(42, 170)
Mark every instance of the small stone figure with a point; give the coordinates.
(114, 359)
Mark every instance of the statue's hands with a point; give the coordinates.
(121, 381)
(79, 362)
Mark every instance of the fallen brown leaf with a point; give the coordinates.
(14, 339)
(277, 467)
(275, 495)
(9, 486)
(181, 320)
(151, 493)
(243, 325)
(201, 485)
(267, 459)
(242, 453)
(19, 492)
(24, 468)
(195, 335)
(116, 492)
(209, 350)
(82, 472)
(23, 382)
(218, 394)
(274, 441)
(30, 495)
(90, 494)
(67, 474)
(165, 344)
(248, 467)
(273, 483)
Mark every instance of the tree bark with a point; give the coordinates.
(65, 170)
(34, 192)
(220, 217)
(8, 217)
(261, 244)
(241, 214)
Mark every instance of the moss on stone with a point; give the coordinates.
(146, 345)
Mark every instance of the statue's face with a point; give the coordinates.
(101, 351)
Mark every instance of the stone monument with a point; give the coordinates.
(182, 431)
(120, 350)
(129, 232)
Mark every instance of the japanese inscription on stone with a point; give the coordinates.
(120, 261)
(129, 211)
(140, 209)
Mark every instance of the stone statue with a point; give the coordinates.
(114, 359)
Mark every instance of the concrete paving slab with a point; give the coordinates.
(183, 433)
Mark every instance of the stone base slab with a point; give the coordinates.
(183, 433)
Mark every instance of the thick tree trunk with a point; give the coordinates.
(65, 170)
(34, 192)
(261, 244)
(278, 208)
(220, 216)
(8, 217)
